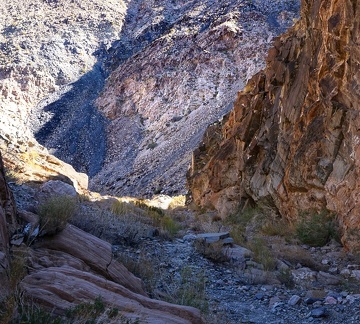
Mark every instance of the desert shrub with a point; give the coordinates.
(55, 212)
(169, 225)
(212, 251)
(189, 289)
(87, 312)
(286, 278)
(121, 208)
(262, 254)
(317, 229)
(142, 267)
(242, 216)
(239, 221)
(32, 314)
(152, 145)
(277, 227)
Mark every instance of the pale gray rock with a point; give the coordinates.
(294, 299)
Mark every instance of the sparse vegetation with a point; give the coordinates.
(152, 145)
(285, 277)
(55, 213)
(262, 254)
(142, 267)
(212, 251)
(277, 227)
(317, 228)
(17, 273)
(87, 312)
(189, 289)
(240, 220)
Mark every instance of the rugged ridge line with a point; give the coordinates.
(291, 140)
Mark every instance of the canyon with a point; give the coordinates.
(124, 91)
(101, 100)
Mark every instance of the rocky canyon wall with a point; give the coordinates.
(179, 67)
(292, 138)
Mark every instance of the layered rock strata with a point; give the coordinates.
(292, 138)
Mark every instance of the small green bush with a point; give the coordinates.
(191, 289)
(212, 251)
(55, 213)
(262, 254)
(87, 311)
(285, 277)
(121, 208)
(31, 314)
(317, 229)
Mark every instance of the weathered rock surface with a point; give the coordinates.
(29, 162)
(74, 266)
(7, 226)
(180, 65)
(54, 288)
(45, 45)
(94, 252)
(291, 140)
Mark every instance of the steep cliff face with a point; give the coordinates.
(179, 66)
(292, 138)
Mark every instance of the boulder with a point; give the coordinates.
(55, 188)
(61, 288)
(96, 253)
(75, 267)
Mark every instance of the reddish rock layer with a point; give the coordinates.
(292, 139)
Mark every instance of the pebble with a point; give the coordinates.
(330, 300)
(294, 300)
(319, 312)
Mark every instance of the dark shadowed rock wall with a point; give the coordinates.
(7, 224)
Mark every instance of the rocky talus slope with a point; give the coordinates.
(292, 139)
(44, 46)
(178, 67)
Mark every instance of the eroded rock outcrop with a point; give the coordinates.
(292, 139)
(74, 267)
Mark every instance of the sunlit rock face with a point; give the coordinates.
(292, 138)
(178, 67)
(44, 46)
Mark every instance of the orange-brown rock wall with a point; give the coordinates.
(292, 139)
